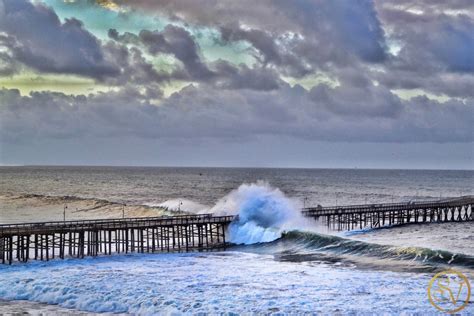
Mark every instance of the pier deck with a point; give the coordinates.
(377, 215)
(47, 240)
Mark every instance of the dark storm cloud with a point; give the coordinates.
(229, 76)
(34, 36)
(179, 43)
(356, 102)
(454, 44)
(436, 46)
(300, 37)
(260, 40)
(351, 26)
(433, 42)
(204, 112)
(449, 84)
(347, 41)
(268, 52)
(38, 39)
(134, 68)
(327, 32)
(174, 41)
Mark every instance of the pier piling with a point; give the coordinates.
(393, 214)
(48, 240)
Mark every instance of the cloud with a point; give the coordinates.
(431, 7)
(204, 112)
(38, 39)
(368, 49)
(179, 43)
(345, 26)
(350, 101)
(320, 33)
(267, 51)
(8, 64)
(297, 38)
(228, 76)
(434, 46)
(433, 43)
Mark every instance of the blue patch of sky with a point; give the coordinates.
(98, 20)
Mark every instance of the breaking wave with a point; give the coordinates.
(304, 242)
(267, 218)
(182, 205)
(37, 207)
(264, 213)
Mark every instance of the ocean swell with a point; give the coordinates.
(309, 242)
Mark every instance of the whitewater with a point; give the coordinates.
(278, 263)
(230, 282)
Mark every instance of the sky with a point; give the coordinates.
(268, 83)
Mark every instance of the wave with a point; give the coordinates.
(305, 246)
(54, 198)
(264, 213)
(38, 207)
(269, 219)
(182, 205)
(94, 203)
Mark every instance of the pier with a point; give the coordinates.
(49, 240)
(352, 217)
(77, 239)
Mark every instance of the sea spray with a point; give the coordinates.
(264, 213)
(183, 205)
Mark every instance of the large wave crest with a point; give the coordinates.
(264, 213)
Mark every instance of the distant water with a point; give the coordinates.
(152, 185)
(288, 264)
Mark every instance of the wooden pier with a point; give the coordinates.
(48, 240)
(378, 215)
(77, 239)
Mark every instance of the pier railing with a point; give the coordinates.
(47, 240)
(115, 223)
(377, 215)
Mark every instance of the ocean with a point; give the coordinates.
(280, 263)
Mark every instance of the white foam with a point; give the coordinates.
(213, 283)
(183, 205)
(264, 213)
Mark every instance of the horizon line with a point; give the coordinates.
(228, 167)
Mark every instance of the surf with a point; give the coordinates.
(263, 213)
(267, 219)
(309, 241)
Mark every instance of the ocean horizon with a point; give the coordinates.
(300, 265)
(221, 157)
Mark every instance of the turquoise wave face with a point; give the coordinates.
(308, 246)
